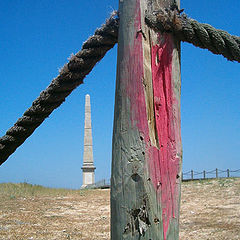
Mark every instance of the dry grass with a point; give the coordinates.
(210, 210)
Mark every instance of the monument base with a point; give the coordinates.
(88, 175)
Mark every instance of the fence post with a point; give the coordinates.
(216, 173)
(228, 173)
(147, 149)
(204, 174)
(192, 174)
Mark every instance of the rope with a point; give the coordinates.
(211, 172)
(69, 78)
(199, 34)
(235, 170)
(94, 49)
(197, 173)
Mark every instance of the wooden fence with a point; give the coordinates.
(216, 173)
(104, 183)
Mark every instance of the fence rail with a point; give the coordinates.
(104, 183)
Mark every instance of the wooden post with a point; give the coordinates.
(192, 174)
(228, 173)
(147, 149)
(204, 174)
(216, 173)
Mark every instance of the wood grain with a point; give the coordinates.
(147, 150)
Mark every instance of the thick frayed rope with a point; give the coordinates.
(199, 34)
(94, 49)
(70, 77)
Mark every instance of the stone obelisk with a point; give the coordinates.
(88, 167)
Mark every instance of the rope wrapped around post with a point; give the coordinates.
(69, 78)
(199, 34)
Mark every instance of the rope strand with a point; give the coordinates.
(94, 49)
(199, 34)
(70, 77)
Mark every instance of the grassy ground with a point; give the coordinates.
(210, 210)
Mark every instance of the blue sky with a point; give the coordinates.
(37, 37)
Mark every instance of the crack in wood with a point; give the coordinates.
(139, 221)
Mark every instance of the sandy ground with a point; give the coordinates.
(209, 210)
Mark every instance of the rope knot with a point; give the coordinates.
(167, 20)
(199, 34)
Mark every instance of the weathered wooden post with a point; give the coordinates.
(228, 173)
(147, 149)
(192, 174)
(204, 174)
(216, 173)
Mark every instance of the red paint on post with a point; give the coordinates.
(134, 77)
(166, 159)
(163, 163)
